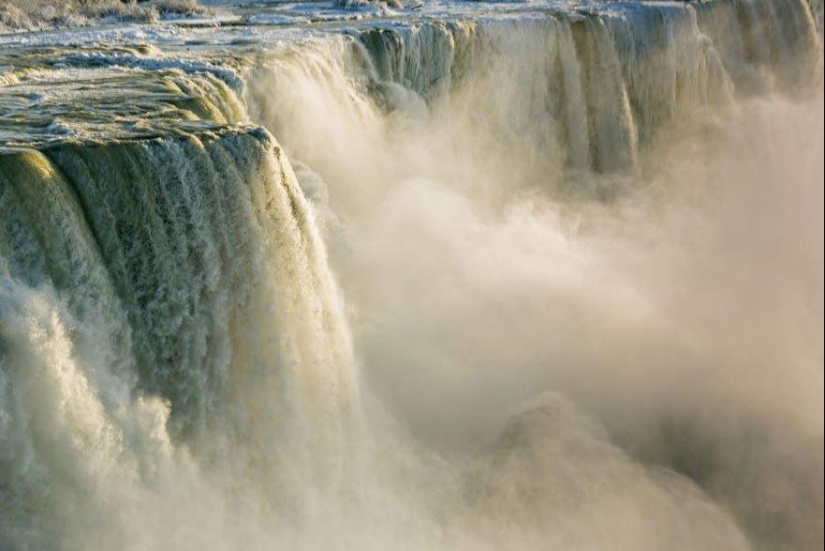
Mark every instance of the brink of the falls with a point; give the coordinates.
(419, 275)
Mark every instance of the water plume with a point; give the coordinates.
(635, 226)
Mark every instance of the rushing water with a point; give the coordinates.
(581, 256)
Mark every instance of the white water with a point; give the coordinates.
(193, 304)
(582, 260)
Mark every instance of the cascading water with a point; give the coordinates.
(591, 89)
(181, 276)
(504, 191)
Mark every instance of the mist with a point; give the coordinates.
(585, 347)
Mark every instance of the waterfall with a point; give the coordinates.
(181, 276)
(502, 192)
(595, 89)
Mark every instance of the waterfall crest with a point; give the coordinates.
(595, 90)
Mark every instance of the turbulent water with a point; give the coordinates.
(461, 276)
